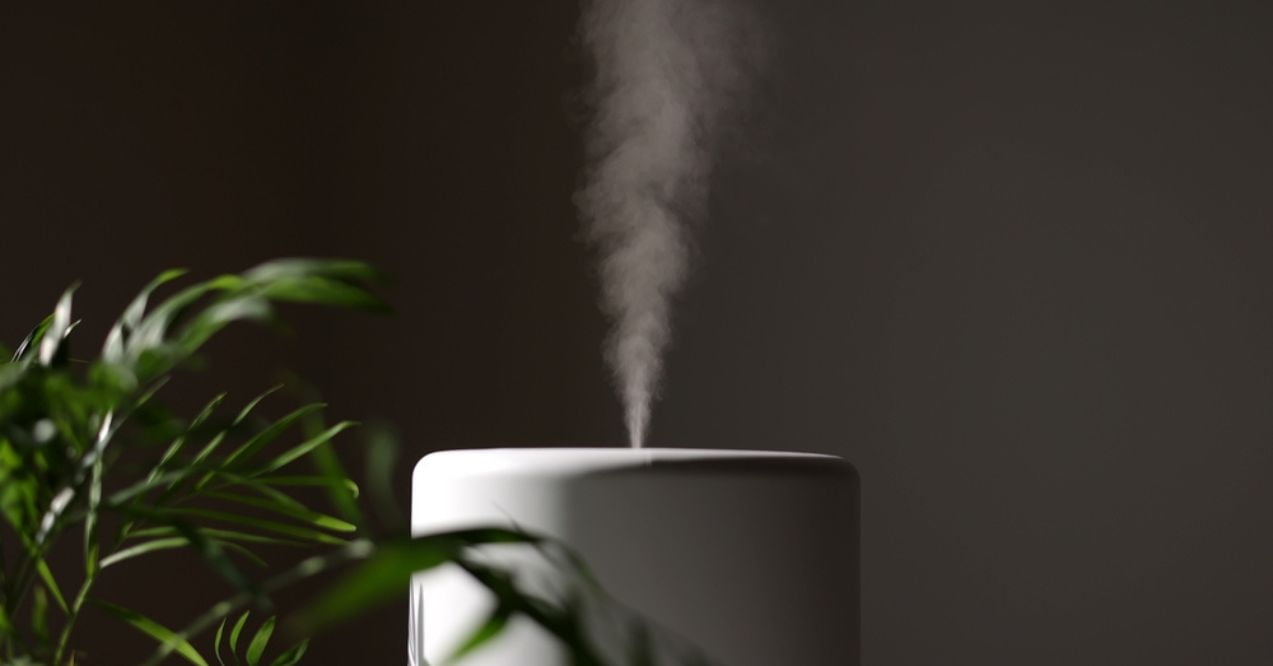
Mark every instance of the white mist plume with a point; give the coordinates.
(666, 73)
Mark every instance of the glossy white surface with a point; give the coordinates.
(752, 555)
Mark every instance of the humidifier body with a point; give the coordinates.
(750, 556)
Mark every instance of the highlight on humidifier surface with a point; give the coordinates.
(742, 558)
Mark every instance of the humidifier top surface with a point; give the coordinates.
(588, 460)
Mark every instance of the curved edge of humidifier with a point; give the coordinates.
(750, 555)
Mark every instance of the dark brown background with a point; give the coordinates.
(1008, 257)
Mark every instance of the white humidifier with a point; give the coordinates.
(749, 556)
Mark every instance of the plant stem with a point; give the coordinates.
(64, 639)
(24, 579)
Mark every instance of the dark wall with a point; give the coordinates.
(1009, 258)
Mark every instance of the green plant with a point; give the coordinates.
(91, 453)
(253, 651)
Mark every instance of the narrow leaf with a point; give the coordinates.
(195, 423)
(347, 270)
(489, 629)
(40, 614)
(292, 656)
(303, 449)
(382, 454)
(219, 315)
(346, 485)
(247, 409)
(242, 551)
(321, 291)
(91, 547)
(51, 343)
(142, 549)
(160, 633)
(327, 464)
(385, 574)
(260, 523)
(216, 642)
(215, 557)
(50, 582)
(221, 536)
(113, 349)
(269, 434)
(216, 441)
(291, 510)
(32, 340)
(236, 630)
(153, 329)
(11, 374)
(262, 638)
(6, 625)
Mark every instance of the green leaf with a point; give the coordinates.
(51, 343)
(327, 464)
(126, 495)
(345, 485)
(266, 490)
(216, 441)
(291, 510)
(259, 441)
(220, 535)
(32, 340)
(151, 332)
(219, 315)
(562, 620)
(292, 656)
(215, 557)
(206, 413)
(170, 543)
(242, 551)
(18, 489)
(40, 614)
(160, 633)
(236, 630)
(137, 308)
(347, 270)
(489, 629)
(262, 638)
(11, 374)
(322, 291)
(149, 352)
(286, 529)
(382, 454)
(247, 409)
(143, 548)
(216, 642)
(91, 546)
(195, 423)
(46, 575)
(385, 574)
(113, 349)
(303, 449)
(6, 625)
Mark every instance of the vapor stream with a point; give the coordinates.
(666, 72)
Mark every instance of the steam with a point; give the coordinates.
(666, 74)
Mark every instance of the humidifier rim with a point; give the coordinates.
(579, 461)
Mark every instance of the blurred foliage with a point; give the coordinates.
(90, 454)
